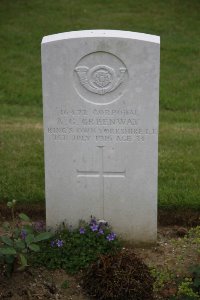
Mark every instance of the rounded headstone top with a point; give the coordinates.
(102, 33)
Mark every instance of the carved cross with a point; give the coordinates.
(101, 174)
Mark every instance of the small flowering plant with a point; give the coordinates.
(73, 249)
(57, 243)
(100, 227)
(20, 237)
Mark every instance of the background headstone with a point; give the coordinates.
(101, 97)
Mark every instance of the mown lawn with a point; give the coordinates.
(23, 24)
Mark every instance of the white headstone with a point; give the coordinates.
(101, 97)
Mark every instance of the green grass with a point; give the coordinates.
(179, 160)
(22, 166)
(23, 24)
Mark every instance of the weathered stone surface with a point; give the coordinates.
(101, 96)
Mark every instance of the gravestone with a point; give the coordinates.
(101, 97)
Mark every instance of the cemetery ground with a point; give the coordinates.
(171, 262)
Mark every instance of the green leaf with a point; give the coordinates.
(10, 259)
(6, 226)
(9, 204)
(6, 240)
(29, 238)
(23, 260)
(24, 217)
(25, 250)
(34, 247)
(16, 232)
(28, 229)
(43, 236)
(8, 251)
(196, 282)
(20, 244)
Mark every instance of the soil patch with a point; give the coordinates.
(41, 284)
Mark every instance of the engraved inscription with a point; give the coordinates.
(100, 78)
(99, 126)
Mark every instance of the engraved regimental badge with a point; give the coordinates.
(100, 78)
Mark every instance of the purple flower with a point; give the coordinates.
(39, 226)
(101, 231)
(94, 227)
(59, 243)
(111, 236)
(82, 230)
(93, 221)
(52, 243)
(23, 234)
